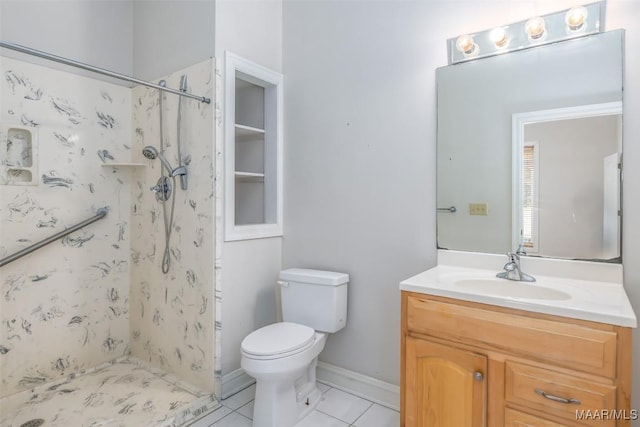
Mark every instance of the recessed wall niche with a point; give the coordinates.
(18, 146)
(253, 147)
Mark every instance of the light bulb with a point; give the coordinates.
(499, 37)
(576, 18)
(466, 45)
(535, 28)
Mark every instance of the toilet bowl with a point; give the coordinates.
(285, 372)
(283, 357)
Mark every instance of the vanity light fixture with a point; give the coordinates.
(576, 18)
(539, 30)
(466, 45)
(535, 28)
(499, 37)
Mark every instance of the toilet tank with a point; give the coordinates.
(315, 298)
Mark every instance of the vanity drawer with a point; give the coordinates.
(513, 418)
(564, 344)
(526, 385)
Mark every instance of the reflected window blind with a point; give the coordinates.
(529, 190)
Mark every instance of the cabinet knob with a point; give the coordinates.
(478, 376)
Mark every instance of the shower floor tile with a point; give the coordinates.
(123, 393)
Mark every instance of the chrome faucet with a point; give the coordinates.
(512, 270)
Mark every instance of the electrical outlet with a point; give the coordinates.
(478, 209)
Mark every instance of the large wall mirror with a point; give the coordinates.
(529, 148)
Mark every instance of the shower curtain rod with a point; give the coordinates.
(66, 61)
(100, 213)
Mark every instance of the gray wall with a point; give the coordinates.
(360, 161)
(146, 39)
(360, 133)
(170, 35)
(96, 32)
(253, 30)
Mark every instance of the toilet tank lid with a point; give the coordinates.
(316, 277)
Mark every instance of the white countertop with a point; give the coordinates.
(602, 300)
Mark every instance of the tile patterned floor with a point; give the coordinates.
(124, 392)
(336, 409)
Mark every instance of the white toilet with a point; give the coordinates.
(283, 357)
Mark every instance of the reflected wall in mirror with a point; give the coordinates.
(566, 174)
(477, 101)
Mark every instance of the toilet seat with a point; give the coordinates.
(278, 340)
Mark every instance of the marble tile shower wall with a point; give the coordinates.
(172, 315)
(64, 308)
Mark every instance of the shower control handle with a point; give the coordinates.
(158, 188)
(162, 189)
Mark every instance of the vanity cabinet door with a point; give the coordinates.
(444, 387)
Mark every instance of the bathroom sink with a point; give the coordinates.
(510, 289)
(582, 290)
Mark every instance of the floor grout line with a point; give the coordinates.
(362, 414)
(371, 403)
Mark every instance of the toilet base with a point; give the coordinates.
(284, 403)
(309, 403)
(286, 389)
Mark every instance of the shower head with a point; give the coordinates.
(151, 153)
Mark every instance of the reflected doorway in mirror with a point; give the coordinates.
(566, 193)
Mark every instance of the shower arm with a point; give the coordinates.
(166, 164)
(179, 171)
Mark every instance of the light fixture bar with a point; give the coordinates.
(538, 30)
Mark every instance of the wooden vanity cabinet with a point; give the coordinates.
(447, 384)
(470, 364)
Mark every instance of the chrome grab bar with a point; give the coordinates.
(82, 65)
(451, 209)
(100, 213)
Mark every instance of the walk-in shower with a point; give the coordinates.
(92, 332)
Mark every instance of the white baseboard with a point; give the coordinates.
(369, 388)
(235, 381)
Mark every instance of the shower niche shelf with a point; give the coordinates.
(253, 150)
(19, 148)
(123, 165)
